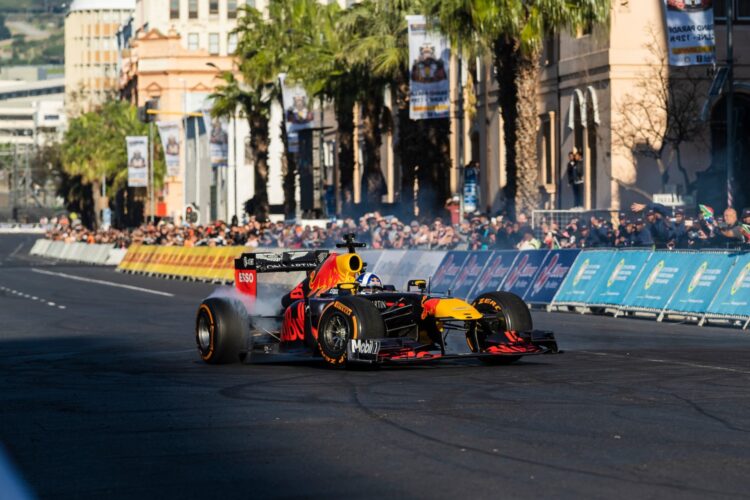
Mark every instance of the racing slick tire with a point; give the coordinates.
(511, 313)
(347, 318)
(222, 331)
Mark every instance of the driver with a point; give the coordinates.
(369, 283)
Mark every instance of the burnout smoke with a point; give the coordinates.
(267, 303)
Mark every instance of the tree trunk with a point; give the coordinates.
(373, 183)
(96, 194)
(259, 143)
(527, 165)
(505, 59)
(345, 140)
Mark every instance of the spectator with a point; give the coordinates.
(575, 178)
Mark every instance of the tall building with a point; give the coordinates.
(91, 72)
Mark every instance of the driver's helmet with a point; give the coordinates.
(369, 282)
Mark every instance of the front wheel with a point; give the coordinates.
(503, 312)
(345, 319)
(222, 331)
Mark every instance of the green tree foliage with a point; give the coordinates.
(94, 147)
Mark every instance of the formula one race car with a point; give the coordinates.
(344, 315)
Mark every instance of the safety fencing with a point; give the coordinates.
(84, 253)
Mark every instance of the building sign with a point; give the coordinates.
(429, 53)
(137, 147)
(690, 32)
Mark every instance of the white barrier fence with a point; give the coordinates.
(102, 255)
(7, 228)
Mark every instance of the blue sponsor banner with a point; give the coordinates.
(498, 267)
(448, 271)
(524, 270)
(619, 277)
(469, 274)
(702, 282)
(588, 269)
(663, 274)
(733, 298)
(555, 267)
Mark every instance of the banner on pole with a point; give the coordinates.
(137, 148)
(690, 32)
(429, 90)
(218, 135)
(298, 114)
(170, 142)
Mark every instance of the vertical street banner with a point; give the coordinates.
(218, 136)
(170, 142)
(137, 148)
(298, 113)
(429, 53)
(690, 32)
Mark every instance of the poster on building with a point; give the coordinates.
(170, 142)
(298, 113)
(218, 135)
(429, 53)
(690, 32)
(137, 147)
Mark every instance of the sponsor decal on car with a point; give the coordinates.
(341, 307)
(363, 350)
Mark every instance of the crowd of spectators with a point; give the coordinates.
(649, 225)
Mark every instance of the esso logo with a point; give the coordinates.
(246, 278)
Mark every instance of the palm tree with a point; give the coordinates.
(94, 148)
(512, 32)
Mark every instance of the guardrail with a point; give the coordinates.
(102, 255)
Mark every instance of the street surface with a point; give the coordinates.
(102, 395)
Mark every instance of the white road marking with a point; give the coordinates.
(61, 307)
(102, 282)
(672, 362)
(51, 304)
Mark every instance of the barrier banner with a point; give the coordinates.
(525, 269)
(447, 271)
(404, 269)
(588, 270)
(387, 264)
(701, 282)
(657, 283)
(473, 267)
(555, 267)
(733, 298)
(495, 271)
(620, 277)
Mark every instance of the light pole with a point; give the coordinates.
(730, 103)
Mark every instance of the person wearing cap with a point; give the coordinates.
(746, 215)
(678, 231)
(656, 221)
(641, 237)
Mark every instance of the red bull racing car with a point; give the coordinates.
(343, 315)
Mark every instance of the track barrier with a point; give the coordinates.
(702, 286)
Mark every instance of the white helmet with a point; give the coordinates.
(369, 280)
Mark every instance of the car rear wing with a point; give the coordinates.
(248, 265)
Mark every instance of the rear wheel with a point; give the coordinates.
(345, 319)
(222, 331)
(503, 312)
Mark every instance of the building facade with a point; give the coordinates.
(91, 72)
(601, 94)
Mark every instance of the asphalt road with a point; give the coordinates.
(102, 395)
